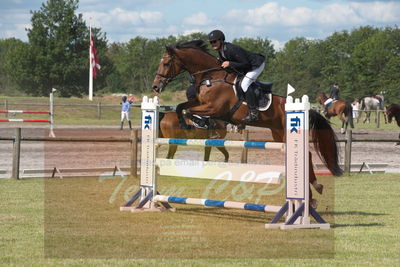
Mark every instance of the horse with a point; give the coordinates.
(373, 103)
(216, 98)
(393, 111)
(340, 108)
(169, 128)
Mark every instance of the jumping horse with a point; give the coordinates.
(217, 99)
(170, 128)
(393, 111)
(340, 108)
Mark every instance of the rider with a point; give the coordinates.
(334, 95)
(248, 63)
(335, 92)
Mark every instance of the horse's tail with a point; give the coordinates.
(324, 139)
(348, 112)
(362, 103)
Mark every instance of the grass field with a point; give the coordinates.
(110, 115)
(76, 222)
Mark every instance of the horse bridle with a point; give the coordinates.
(169, 78)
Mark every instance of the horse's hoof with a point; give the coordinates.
(314, 203)
(319, 188)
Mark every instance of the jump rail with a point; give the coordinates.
(49, 112)
(296, 207)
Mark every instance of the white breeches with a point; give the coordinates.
(251, 77)
(125, 114)
(328, 101)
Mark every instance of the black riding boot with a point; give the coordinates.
(122, 125)
(130, 125)
(251, 100)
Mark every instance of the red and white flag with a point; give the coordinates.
(94, 62)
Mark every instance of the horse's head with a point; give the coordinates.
(191, 56)
(321, 98)
(170, 66)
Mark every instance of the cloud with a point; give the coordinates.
(378, 11)
(198, 19)
(125, 23)
(351, 13)
(272, 14)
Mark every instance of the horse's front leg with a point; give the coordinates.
(179, 111)
(204, 110)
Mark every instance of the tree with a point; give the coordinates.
(57, 55)
(7, 49)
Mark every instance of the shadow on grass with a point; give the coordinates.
(246, 216)
(357, 225)
(360, 213)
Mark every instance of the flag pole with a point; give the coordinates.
(90, 62)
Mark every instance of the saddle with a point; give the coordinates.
(263, 91)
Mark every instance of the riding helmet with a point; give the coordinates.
(216, 35)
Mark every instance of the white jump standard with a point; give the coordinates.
(296, 209)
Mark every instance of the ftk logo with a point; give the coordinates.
(295, 125)
(148, 121)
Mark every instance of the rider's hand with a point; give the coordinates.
(225, 64)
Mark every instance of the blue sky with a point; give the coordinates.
(279, 21)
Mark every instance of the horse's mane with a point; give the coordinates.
(195, 44)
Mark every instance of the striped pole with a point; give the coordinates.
(23, 120)
(25, 111)
(217, 203)
(220, 143)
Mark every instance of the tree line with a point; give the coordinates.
(364, 61)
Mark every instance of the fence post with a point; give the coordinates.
(347, 153)
(16, 154)
(245, 137)
(99, 110)
(134, 151)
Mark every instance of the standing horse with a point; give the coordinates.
(393, 111)
(169, 128)
(340, 108)
(216, 98)
(373, 103)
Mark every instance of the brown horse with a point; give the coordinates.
(169, 128)
(340, 108)
(393, 111)
(216, 98)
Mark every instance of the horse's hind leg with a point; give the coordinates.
(224, 152)
(344, 126)
(207, 152)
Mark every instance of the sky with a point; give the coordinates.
(278, 21)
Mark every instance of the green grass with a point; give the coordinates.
(76, 222)
(110, 115)
(66, 113)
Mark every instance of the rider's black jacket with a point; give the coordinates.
(334, 93)
(239, 58)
